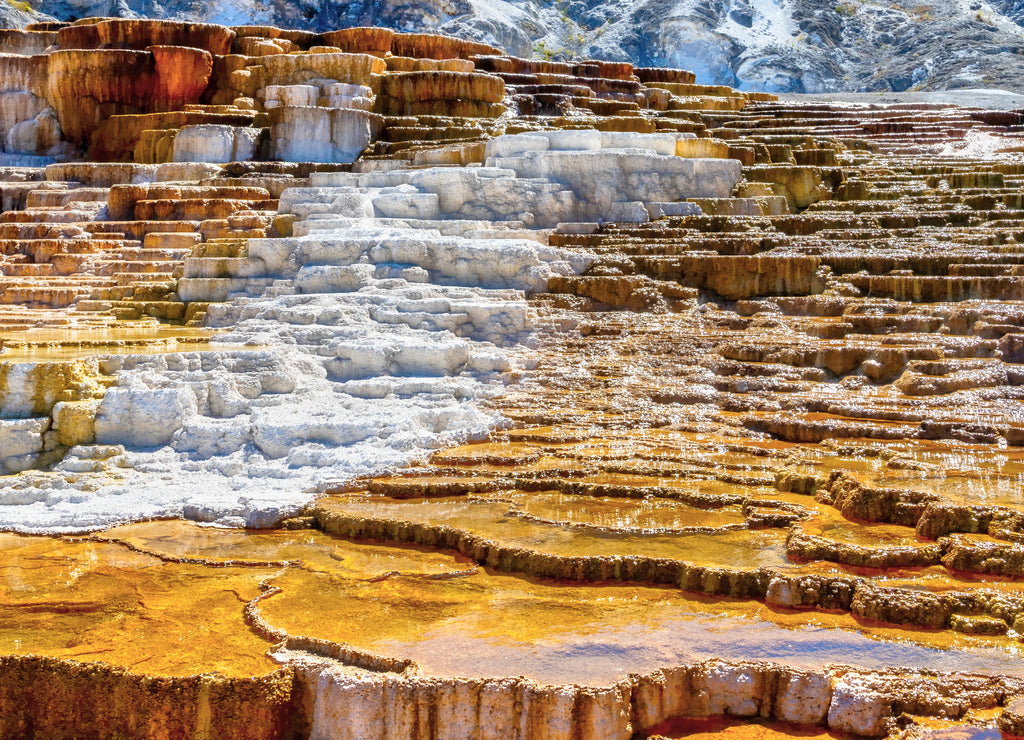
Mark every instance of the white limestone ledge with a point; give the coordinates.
(371, 346)
(539, 179)
(353, 703)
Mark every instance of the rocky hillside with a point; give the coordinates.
(772, 45)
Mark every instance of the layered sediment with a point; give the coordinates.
(532, 399)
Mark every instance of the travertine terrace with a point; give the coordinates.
(380, 385)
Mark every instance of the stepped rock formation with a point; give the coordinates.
(793, 46)
(528, 398)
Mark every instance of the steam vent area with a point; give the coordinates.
(383, 386)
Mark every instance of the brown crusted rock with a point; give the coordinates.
(410, 64)
(891, 505)
(934, 694)
(736, 277)
(24, 74)
(122, 203)
(702, 148)
(921, 380)
(611, 70)
(1011, 348)
(724, 582)
(800, 184)
(979, 556)
(1011, 720)
(440, 93)
(633, 292)
(941, 518)
(50, 695)
(900, 606)
(809, 547)
(140, 34)
(412, 487)
(297, 38)
(1007, 525)
(663, 74)
(711, 581)
(361, 40)
(87, 87)
(182, 75)
(978, 625)
(603, 72)
(816, 592)
(21, 41)
(295, 69)
(433, 46)
(252, 46)
(792, 481)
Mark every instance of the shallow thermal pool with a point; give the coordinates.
(168, 597)
(493, 625)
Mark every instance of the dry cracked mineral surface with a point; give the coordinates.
(371, 385)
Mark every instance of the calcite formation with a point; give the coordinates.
(529, 399)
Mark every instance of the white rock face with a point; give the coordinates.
(858, 707)
(393, 707)
(321, 110)
(344, 95)
(34, 134)
(28, 122)
(542, 179)
(215, 143)
(324, 93)
(732, 689)
(803, 698)
(21, 441)
(274, 96)
(143, 416)
(313, 134)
